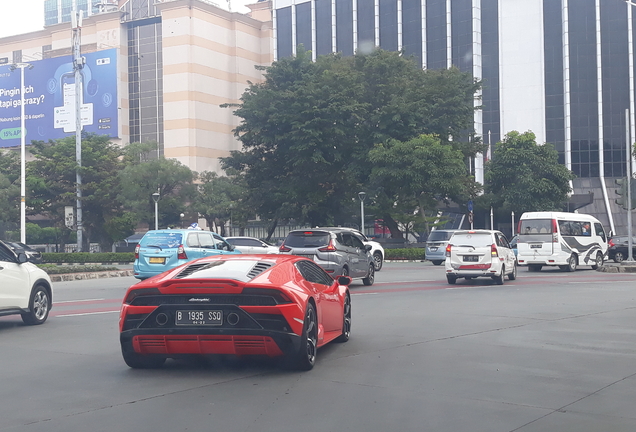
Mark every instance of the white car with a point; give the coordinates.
(25, 289)
(377, 251)
(480, 253)
(251, 245)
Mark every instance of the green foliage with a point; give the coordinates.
(220, 198)
(86, 257)
(308, 129)
(405, 254)
(9, 186)
(56, 269)
(523, 176)
(51, 179)
(139, 180)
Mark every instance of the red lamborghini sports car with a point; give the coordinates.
(272, 305)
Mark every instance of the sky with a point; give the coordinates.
(25, 16)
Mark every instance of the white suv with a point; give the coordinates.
(480, 253)
(25, 288)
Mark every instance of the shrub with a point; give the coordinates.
(86, 257)
(55, 269)
(405, 254)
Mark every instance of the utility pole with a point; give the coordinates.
(78, 65)
(628, 161)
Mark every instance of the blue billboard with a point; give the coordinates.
(49, 98)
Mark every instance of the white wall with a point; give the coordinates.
(521, 68)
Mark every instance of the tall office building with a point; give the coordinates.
(563, 69)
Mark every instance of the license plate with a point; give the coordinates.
(156, 260)
(538, 246)
(199, 317)
(471, 258)
(433, 249)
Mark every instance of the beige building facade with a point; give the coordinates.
(177, 62)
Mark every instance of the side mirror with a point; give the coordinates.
(22, 258)
(344, 280)
(368, 247)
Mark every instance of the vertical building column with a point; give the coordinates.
(477, 74)
(333, 26)
(566, 86)
(313, 30)
(399, 24)
(377, 23)
(630, 51)
(275, 33)
(293, 26)
(449, 35)
(423, 7)
(599, 88)
(354, 8)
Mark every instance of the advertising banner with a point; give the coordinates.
(49, 98)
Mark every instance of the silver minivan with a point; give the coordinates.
(436, 245)
(337, 250)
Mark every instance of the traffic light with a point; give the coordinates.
(622, 192)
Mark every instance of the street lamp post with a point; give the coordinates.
(155, 198)
(21, 66)
(362, 196)
(181, 216)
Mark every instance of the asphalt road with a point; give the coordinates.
(550, 351)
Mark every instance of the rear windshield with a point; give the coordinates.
(163, 240)
(472, 239)
(439, 236)
(307, 239)
(536, 226)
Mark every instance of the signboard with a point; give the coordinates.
(49, 98)
(69, 216)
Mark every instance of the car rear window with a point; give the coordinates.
(536, 226)
(163, 240)
(439, 236)
(472, 239)
(307, 239)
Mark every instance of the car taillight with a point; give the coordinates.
(284, 248)
(329, 248)
(137, 251)
(448, 250)
(610, 243)
(133, 294)
(181, 253)
(493, 250)
(555, 235)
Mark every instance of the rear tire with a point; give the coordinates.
(345, 271)
(513, 275)
(571, 265)
(451, 279)
(39, 306)
(370, 276)
(598, 262)
(437, 262)
(619, 257)
(305, 358)
(501, 277)
(346, 324)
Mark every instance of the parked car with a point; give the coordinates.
(165, 249)
(619, 249)
(377, 251)
(26, 289)
(33, 255)
(480, 253)
(251, 245)
(336, 250)
(436, 245)
(273, 305)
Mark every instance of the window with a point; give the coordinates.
(356, 243)
(6, 254)
(313, 273)
(206, 241)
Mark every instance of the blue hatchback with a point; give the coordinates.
(163, 250)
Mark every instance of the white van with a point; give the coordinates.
(560, 239)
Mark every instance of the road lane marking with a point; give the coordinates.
(77, 301)
(87, 313)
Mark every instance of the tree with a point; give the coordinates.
(308, 129)
(9, 188)
(523, 176)
(412, 177)
(51, 179)
(143, 177)
(219, 199)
